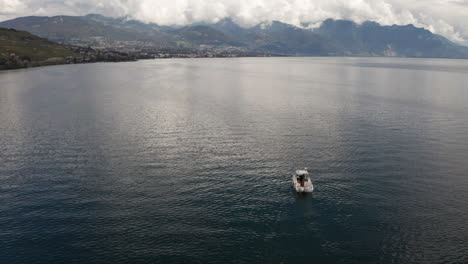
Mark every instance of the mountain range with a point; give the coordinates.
(331, 38)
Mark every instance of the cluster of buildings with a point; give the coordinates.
(202, 52)
(150, 50)
(88, 54)
(11, 60)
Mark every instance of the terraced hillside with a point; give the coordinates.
(19, 49)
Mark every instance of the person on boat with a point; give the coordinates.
(301, 179)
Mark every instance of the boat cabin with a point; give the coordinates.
(302, 176)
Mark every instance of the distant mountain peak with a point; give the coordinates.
(370, 24)
(274, 25)
(94, 16)
(226, 21)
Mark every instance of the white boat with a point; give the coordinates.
(302, 182)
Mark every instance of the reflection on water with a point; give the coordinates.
(172, 161)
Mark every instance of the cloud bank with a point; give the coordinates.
(446, 17)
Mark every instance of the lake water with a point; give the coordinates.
(189, 161)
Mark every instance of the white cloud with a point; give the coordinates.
(11, 7)
(446, 17)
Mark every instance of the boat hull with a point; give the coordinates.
(307, 188)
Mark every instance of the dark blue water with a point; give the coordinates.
(189, 161)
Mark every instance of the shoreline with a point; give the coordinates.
(225, 57)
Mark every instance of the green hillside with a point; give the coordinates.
(19, 48)
(25, 44)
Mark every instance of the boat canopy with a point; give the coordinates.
(302, 172)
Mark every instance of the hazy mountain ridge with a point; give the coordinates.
(333, 37)
(372, 39)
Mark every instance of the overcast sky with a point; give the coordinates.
(445, 17)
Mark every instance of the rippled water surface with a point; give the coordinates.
(189, 161)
